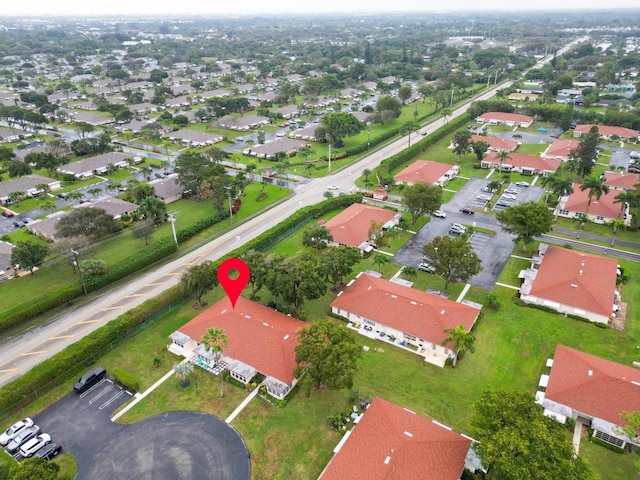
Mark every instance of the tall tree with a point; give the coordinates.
(28, 255)
(154, 209)
(408, 128)
(316, 236)
(480, 148)
(328, 354)
(526, 221)
(336, 126)
(90, 222)
(421, 199)
(215, 340)
(516, 441)
(194, 168)
(198, 280)
(337, 263)
(503, 156)
(462, 341)
(295, 280)
(462, 143)
(453, 259)
(596, 188)
(586, 153)
(143, 229)
(256, 261)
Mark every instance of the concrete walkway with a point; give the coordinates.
(463, 292)
(577, 432)
(140, 396)
(244, 403)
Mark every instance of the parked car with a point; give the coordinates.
(635, 155)
(468, 211)
(7, 213)
(509, 196)
(459, 226)
(522, 183)
(484, 196)
(633, 169)
(333, 187)
(504, 203)
(23, 437)
(14, 429)
(425, 267)
(89, 379)
(17, 224)
(440, 214)
(35, 444)
(49, 451)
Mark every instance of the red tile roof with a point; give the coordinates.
(560, 148)
(257, 335)
(423, 171)
(603, 207)
(607, 131)
(520, 160)
(579, 279)
(391, 442)
(592, 385)
(411, 311)
(351, 226)
(496, 143)
(505, 117)
(626, 181)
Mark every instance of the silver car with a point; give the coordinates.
(24, 436)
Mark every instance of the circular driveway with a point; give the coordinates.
(174, 446)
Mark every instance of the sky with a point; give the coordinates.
(222, 7)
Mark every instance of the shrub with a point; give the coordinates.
(126, 379)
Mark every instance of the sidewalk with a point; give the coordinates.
(598, 238)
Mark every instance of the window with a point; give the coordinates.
(369, 322)
(409, 337)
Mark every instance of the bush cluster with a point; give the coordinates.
(184, 234)
(126, 379)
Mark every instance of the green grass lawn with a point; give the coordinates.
(122, 244)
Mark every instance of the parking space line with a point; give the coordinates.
(111, 400)
(95, 387)
(37, 352)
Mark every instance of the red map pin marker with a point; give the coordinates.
(233, 286)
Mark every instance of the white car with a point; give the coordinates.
(333, 187)
(509, 196)
(522, 184)
(440, 214)
(35, 444)
(14, 430)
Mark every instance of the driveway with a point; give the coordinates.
(176, 445)
(530, 137)
(493, 250)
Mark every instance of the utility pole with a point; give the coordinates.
(76, 254)
(329, 157)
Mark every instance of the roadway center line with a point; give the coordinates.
(113, 308)
(6, 370)
(88, 321)
(61, 337)
(37, 352)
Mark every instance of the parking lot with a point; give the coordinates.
(493, 250)
(515, 194)
(177, 445)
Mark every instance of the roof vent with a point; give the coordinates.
(387, 460)
(590, 373)
(265, 324)
(286, 337)
(442, 312)
(581, 271)
(408, 434)
(394, 296)
(413, 303)
(574, 285)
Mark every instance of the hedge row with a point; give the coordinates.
(129, 381)
(27, 310)
(61, 365)
(408, 154)
(184, 234)
(97, 343)
(133, 263)
(386, 135)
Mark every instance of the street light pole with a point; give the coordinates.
(368, 134)
(171, 217)
(76, 254)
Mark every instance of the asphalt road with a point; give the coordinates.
(21, 353)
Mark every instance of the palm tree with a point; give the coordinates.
(94, 191)
(617, 224)
(48, 204)
(41, 187)
(410, 272)
(74, 196)
(381, 260)
(596, 189)
(182, 371)
(563, 187)
(215, 340)
(146, 172)
(503, 155)
(16, 197)
(445, 113)
(548, 182)
(462, 341)
(366, 172)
